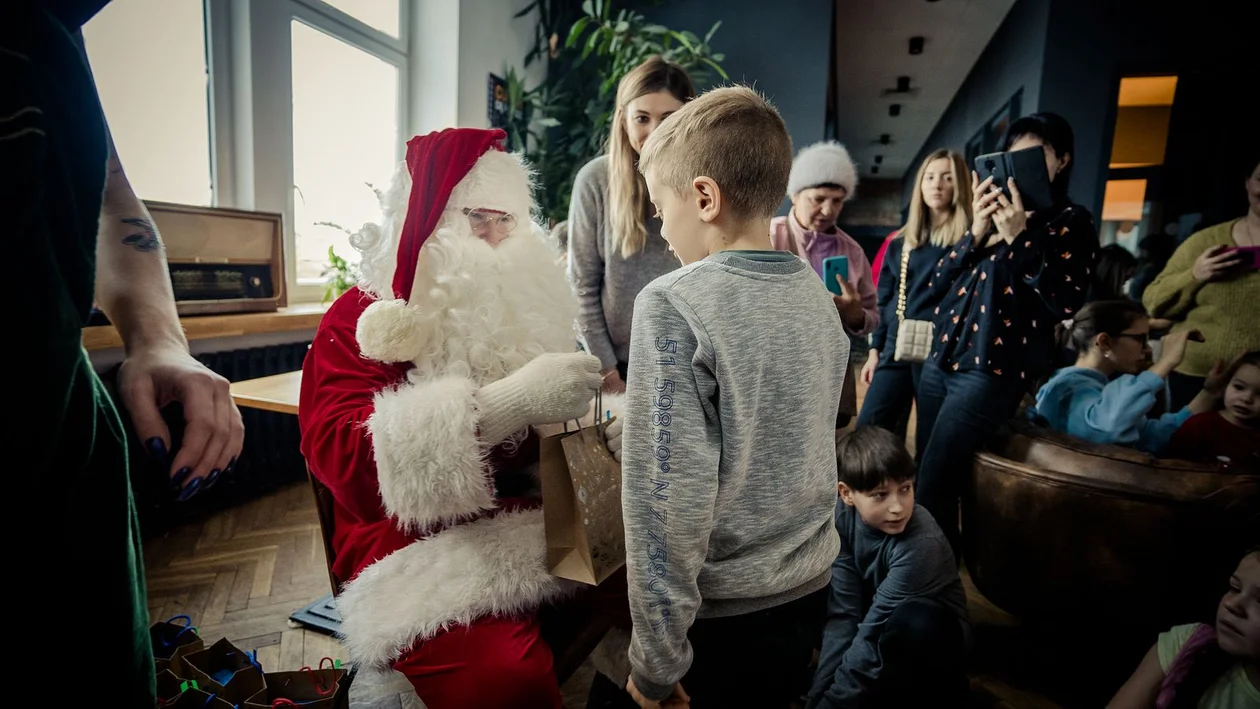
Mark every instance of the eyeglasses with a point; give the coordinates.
(1142, 339)
(496, 221)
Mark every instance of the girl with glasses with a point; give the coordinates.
(1107, 395)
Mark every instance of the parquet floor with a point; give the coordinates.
(240, 573)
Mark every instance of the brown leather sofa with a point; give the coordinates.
(1055, 528)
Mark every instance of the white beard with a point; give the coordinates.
(489, 310)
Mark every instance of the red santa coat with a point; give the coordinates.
(430, 525)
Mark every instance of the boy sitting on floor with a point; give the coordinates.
(897, 627)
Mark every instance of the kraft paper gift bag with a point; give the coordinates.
(581, 487)
(324, 688)
(172, 641)
(194, 698)
(225, 671)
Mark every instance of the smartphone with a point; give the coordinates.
(832, 267)
(1250, 257)
(1028, 167)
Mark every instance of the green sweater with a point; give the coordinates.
(1224, 311)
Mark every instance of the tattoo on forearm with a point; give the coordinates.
(146, 239)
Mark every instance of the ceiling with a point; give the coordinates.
(873, 49)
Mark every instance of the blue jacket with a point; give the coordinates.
(1081, 402)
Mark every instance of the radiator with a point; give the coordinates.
(270, 457)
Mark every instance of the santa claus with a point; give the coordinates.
(418, 397)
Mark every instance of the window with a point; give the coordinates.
(1132, 200)
(381, 15)
(345, 143)
(149, 61)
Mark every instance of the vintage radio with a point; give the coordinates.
(222, 260)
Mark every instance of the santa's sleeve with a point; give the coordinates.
(374, 437)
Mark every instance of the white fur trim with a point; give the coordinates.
(429, 461)
(390, 331)
(494, 566)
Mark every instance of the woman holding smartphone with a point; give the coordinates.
(1001, 290)
(1211, 285)
(939, 217)
(822, 181)
(615, 246)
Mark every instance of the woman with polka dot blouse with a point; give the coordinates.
(1003, 287)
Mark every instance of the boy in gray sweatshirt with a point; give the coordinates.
(896, 630)
(727, 444)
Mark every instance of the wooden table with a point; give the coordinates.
(277, 393)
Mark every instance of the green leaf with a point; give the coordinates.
(712, 31)
(587, 7)
(548, 122)
(591, 43)
(716, 67)
(576, 31)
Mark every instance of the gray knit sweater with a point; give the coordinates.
(607, 284)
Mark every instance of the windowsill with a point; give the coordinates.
(301, 316)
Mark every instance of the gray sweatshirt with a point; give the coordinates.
(729, 459)
(606, 284)
(872, 575)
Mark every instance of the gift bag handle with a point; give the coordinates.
(332, 664)
(282, 702)
(172, 642)
(318, 684)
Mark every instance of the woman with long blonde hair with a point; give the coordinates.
(940, 213)
(615, 245)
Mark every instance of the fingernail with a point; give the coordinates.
(157, 448)
(181, 476)
(213, 476)
(230, 467)
(189, 491)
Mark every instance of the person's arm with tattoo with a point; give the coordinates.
(133, 288)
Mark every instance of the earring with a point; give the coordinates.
(1107, 354)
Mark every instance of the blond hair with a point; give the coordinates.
(732, 135)
(627, 193)
(919, 229)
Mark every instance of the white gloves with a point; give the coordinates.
(613, 433)
(551, 388)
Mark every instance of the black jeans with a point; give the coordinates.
(893, 389)
(924, 657)
(974, 404)
(754, 660)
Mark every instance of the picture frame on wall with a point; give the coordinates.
(988, 139)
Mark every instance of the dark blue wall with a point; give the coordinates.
(1090, 45)
(1012, 60)
(1069, 56)
(780, 48)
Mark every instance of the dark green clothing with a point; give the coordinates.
(86, 540)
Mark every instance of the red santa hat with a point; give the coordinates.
(390, 330)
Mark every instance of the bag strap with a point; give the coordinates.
(901, 284)
(320, 688)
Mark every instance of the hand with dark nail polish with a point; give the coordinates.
(178, 478)
(212, 478)
(157, 448)
(188, 492)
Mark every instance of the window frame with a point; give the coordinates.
(249, 48)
